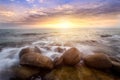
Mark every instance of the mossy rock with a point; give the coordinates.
(78, 73)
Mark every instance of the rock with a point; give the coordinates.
(60, 50)
(113, 58)
(54, 56)
(0, 49)
(46, 47)
(37, 50)
(29, 50)
(55, 44)
(78, 73)
(58, 61)
(116, 66)
(24, 73)
(72, 56)
(99, 61)
(106, 35)
(37, 60)
(24, 51)
(36, 78)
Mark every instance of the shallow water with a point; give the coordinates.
(88, 41)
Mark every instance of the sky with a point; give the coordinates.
(59, 13)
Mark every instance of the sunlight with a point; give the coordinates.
(59, 24)
(64, 24)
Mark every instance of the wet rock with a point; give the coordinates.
(54, 56)
(30, 34)
(37, 50)
(72, 56)
(106, 35)
(23, 73)
(60, 50)
(37, 60)
(77, 73)
(0, 49)
(46, 47)
(116, 66)
(29, 50)
(98, 60)
(36, 78)
(58, 61)
(113, 58)
(25, 51)
(55, 44)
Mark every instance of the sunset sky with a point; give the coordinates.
(59, 13)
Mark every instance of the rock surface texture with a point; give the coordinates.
(98, 60)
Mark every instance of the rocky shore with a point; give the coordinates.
(71, 65)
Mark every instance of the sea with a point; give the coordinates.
(87, 40)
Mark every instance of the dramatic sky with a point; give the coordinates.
(59, 13)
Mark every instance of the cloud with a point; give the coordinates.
(108, 9)
(30, 1)
(64, 7)
(41, 1)
(6, 15)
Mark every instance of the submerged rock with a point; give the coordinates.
(37, 60)
(99, 61)
(59, 49)
(46, 47)
(106, 35)
(54, 56)
(72, 56)
(0, 49)
(69, 44)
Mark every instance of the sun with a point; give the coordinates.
(64, 24)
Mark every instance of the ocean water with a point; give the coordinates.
(87, 41)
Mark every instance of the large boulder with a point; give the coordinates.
(28, 50)
(23, 73)
(24, 51)
(37, 60)
(72, 56)
(98, 60)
